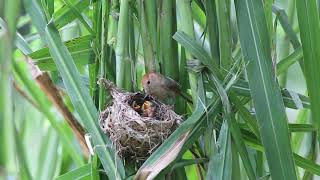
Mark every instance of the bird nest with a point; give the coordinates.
(137, 124)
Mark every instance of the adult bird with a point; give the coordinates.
(161, 87)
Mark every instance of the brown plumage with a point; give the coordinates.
(161, 87)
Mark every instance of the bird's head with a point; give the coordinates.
(150, 81)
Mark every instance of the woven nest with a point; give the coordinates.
(136, 123)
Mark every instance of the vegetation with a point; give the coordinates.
(251, 66)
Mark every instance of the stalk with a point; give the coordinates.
(132, 49)
(104, 58)
(213, 30)
(7, 34)
(151, 19)
(284, 44)
(225, 40)
(186, 25)
(113, 23)
(149, 58)
(123, 61)
(169, 47)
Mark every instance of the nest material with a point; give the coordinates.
(137, 124)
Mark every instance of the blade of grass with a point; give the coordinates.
(240, 87)
(302, 118)
(285, 38)
(48, 156)
(265, 92)
(64, 15)
(78, 173)
(300, 161)
(220, 163)
(76, 90)
(309, 27)
(80, 49)
(82, 102)
(312, 155)
(234, 129)
(38, 97)
(45, 82)
(286, 62)
(225, 40)
(212, 30)
(21, 156)
(75, 11)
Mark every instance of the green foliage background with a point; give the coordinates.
(252, 68)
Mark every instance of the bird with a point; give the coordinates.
(162, 87)
(148, 109)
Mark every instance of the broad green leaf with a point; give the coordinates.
(265, 92)
(309, 25)
(80, 49)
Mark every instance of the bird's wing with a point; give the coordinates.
(173, 85)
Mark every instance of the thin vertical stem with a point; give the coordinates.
(7, 34)
(149, 58)
(212, 30)
(123, 62)
(186, 25)
(225, 40)
(168, 45)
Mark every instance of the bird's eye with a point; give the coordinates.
(148, 82)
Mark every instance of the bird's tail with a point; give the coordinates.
(186, 96)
